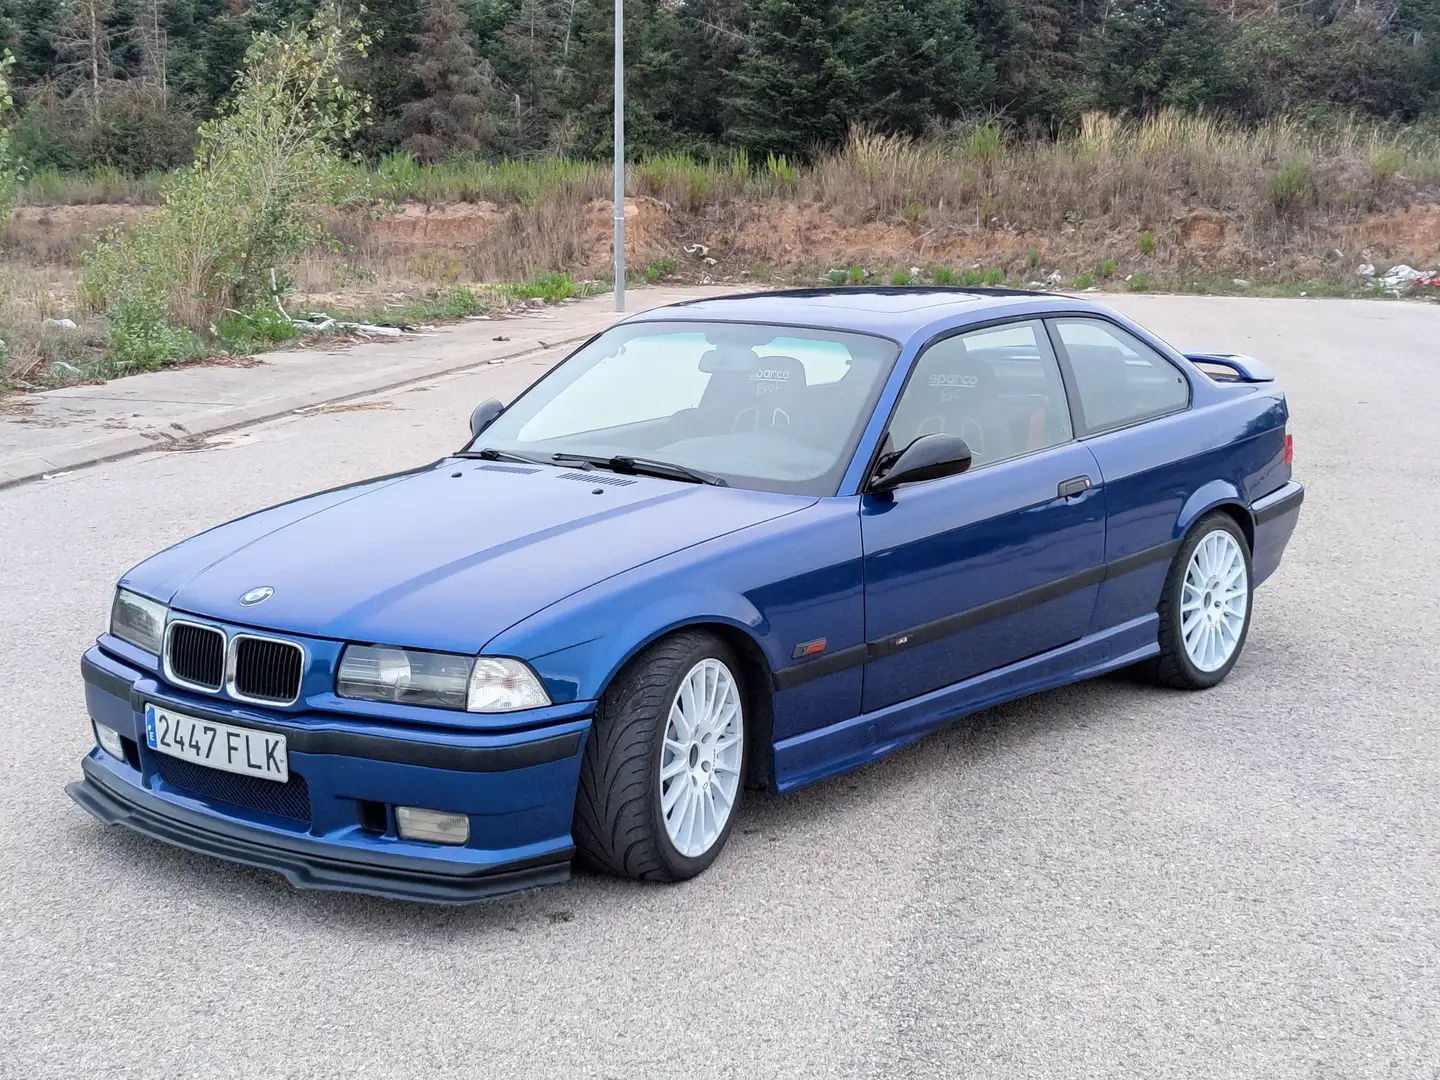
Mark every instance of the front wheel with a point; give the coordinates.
(662, 775)
(1205, 609)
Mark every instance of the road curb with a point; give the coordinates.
(23, 470)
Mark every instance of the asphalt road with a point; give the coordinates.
(1102, 881)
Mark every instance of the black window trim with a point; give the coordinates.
(960, 331)
(1072, 385)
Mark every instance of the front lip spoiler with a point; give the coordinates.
(394, 877)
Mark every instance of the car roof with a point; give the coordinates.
(897, 311)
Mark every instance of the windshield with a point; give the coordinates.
(772, 408)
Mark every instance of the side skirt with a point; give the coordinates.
(815, 755)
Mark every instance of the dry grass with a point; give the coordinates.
(1176, 198)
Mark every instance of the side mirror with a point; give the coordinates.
(484, 415)
(927, 458)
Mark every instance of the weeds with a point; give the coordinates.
(1291, 188)
(1147, 243)
(1084, 281)
(902, 277)
(551, 288)
(659, 271)
(994, 278)
(1107, 268)
(1139, 282)
(943, 275)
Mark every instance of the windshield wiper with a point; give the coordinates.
(623, 463)
(489, 453)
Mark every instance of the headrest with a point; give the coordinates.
(960, 373)
(780, 369)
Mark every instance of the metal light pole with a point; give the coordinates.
(619, 155)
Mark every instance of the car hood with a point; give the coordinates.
(445, 557)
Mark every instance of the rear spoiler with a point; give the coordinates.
(1237, 368)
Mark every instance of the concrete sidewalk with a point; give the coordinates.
(67, 429)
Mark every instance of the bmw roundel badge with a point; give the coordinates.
(257, 596)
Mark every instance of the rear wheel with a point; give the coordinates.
(1205, 609)
(663, 769)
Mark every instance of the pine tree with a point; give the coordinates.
(1149, 54)
(912, 62)
(455, 114)
(794, 91)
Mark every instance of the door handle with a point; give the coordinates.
(1076, 485)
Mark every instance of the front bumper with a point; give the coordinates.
(518, 790)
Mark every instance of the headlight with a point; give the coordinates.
(137, 620)
(439, 680)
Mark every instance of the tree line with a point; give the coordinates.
(124, 83)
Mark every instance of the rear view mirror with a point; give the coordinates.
(484, 415)
(927, 458)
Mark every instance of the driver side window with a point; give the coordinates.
(998, 388)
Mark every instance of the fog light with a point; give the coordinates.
(432, 826)
(110, 741)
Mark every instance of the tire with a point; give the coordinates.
(1192, 664)
(621, 822)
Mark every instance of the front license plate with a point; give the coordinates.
(220, 746)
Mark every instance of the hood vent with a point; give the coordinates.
(521, 470)
(608, 479)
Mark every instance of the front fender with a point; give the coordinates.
(581, 671)
(1207, 497)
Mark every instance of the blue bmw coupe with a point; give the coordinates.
(748, 542)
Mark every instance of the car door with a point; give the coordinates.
(973, 572)
(1131, 407)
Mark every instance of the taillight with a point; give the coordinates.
(1289, 449)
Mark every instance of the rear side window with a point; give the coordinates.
(1120, 379)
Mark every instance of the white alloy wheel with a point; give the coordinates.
(700, 761)
(1214, 600)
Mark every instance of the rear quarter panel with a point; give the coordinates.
(1160, 477)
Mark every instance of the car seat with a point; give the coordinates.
(763, 398)
(956, 394)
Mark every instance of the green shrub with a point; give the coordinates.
(1291, 187)
(972, 277)
(943, 275)
(549, 287)
(659, 271)
(142, 339)
(836, 277)
(1147, 243)
(855, 275)
(913, 211)
(1386, 165)
(1107, 268)
(1084, 281)
(760, 272)
(994, 277)
(985, 143)
(240, 331)
(9, 169)
(1140, 282)
(252, 200)
(779, 169)
(1034, 259)
(902, 277)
